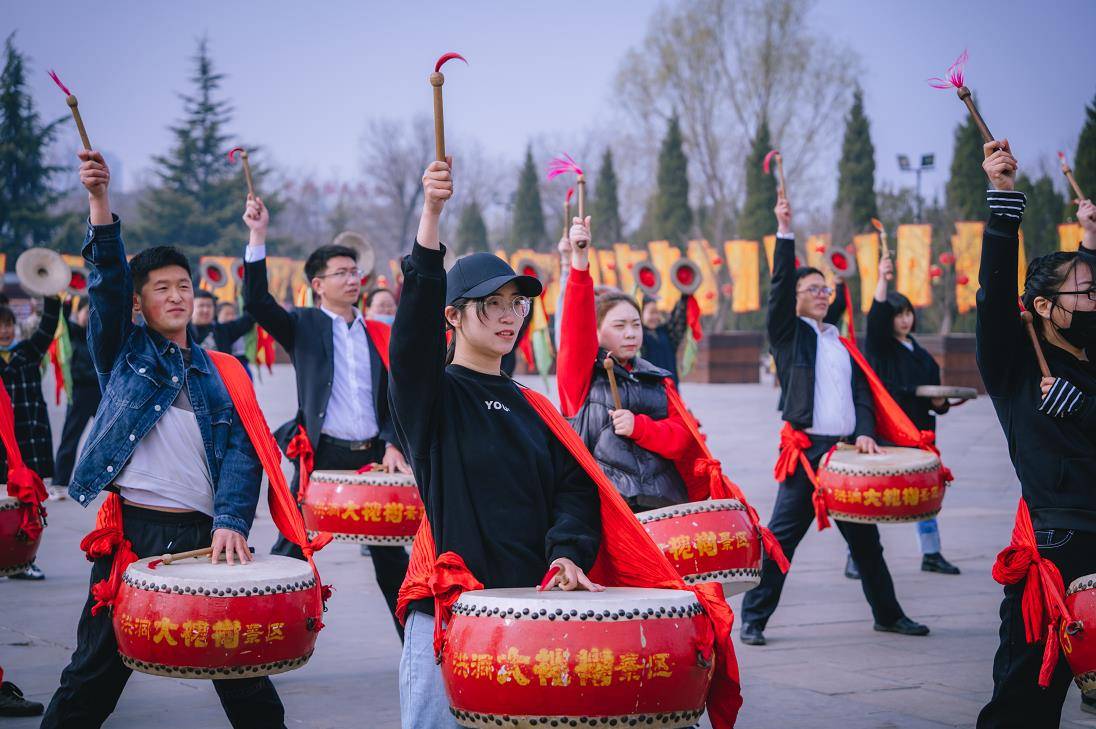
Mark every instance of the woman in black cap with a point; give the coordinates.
(502, 494)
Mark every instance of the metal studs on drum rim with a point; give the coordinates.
(372, 507)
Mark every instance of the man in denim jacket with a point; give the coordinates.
(167, 439)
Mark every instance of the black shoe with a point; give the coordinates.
(1088, 705)
(903, 626)
(752, 634)
(12, 702)
(34, 572)
(851, 570)
(935, 562)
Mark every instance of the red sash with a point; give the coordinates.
(627, 557)
(24, 485)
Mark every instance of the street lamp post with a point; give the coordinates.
(928, 163)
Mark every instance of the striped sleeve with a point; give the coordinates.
(1007, 203)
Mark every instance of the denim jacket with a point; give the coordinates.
(140, 373)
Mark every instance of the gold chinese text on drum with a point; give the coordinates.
(194, 619)
(374, 507)
(623, 657)
(947, 392)
(898, 485)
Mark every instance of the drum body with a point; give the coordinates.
(708, 541)
(16, 553)
(367, 508)
(1079, 637)
(623, 657)
(899, 485)
(193, 619)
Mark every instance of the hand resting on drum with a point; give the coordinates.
(231, 543)
(570, 577)
(867, 444)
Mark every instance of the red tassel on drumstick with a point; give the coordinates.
(71, 101)
(563, 165)
(1069, 176)
(242, 153)
(954, 79)
(436, 80)
(782, 190)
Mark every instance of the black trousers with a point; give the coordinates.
(1017, 700)
(792, 516)
(85, 401)
(389, 563)
(93, 680)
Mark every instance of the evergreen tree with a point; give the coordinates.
(26, 193)
(673, 218)
(471, 230)
(528, 225)
(199, 198)
(966, 188)
(1042, 215)
(1084, 159)
(756, 220)
(856, 169)
(605, 210)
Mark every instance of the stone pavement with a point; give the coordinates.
(824, 666)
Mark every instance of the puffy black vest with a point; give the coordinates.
(645, 479)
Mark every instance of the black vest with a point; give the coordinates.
(645, 479)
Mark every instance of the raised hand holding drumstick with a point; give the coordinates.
(437, 186)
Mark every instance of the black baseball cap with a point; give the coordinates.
(482, 274)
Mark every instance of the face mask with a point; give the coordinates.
(1081, 332)
(386, 318)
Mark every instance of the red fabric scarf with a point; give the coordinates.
(109, 536)
(628, 557)
(24, 485)
(1043, 603)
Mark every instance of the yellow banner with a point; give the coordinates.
(967, 246)
(867, 262)
(912, 264)
(663, 256)
(279, 270)
(770, 248)
(707, 295)
(607, 262)
(744, 267)
(626, 258)
(228, 291)
(298, 284)
(816, 255)
(1069, 236)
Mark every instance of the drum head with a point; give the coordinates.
(947, 391)
(375, 478)
(893, 460)
(266, 573)
(7, 502)
(692, 507)
(614, 602)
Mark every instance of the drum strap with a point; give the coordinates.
(24, 485)
(301, 449)
(1043, 603)
(793, 446)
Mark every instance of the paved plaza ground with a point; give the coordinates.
(824, 666)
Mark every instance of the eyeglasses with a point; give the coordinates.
(816, 291)
(1090, 293)
(496, 306)
(343, 273)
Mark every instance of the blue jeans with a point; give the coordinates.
(423, 702)
(928, 534)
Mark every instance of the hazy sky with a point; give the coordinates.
(305, 77)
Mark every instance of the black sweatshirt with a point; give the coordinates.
(500, 490)
(902, 370)
(1054, 458)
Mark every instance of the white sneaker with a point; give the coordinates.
(58, 493)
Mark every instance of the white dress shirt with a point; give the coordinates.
(834, 411)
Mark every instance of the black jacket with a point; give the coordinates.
(660, 345)
(306, 335)
(1054, 458)
(224, 334)
(901, 370)
(794, 346)
(22, 376)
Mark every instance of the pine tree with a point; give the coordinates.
(605, 210)
(528, 225)
(756, 220)
(966, 188)
(471, 230)
(673, 218)
(1041, 216)
(26, 193)
(1084, 159)
(200, 196)
(856, 169)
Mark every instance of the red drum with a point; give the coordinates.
(16, 553)
(368, 508)
(623, 657)
(193, 619)
(1079, 637)
(708, 541)
(899, 485)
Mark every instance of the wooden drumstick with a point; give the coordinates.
(1069, 176)
(437, 80)
(966, 98)
(169, 558)
(1029, 323)
(70, 99)
(609, 366)
(247, 167)
(780, 174)
(565, 165)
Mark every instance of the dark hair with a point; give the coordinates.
(4, 300)
(203, 294)
(1045, 276)
(7, 316)
(373, 294)
(81, 304)
(317, 262)
(225, 304)
(153, 259)
(450, 330)
(900, 303)
(605, 302)
(803, 271)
